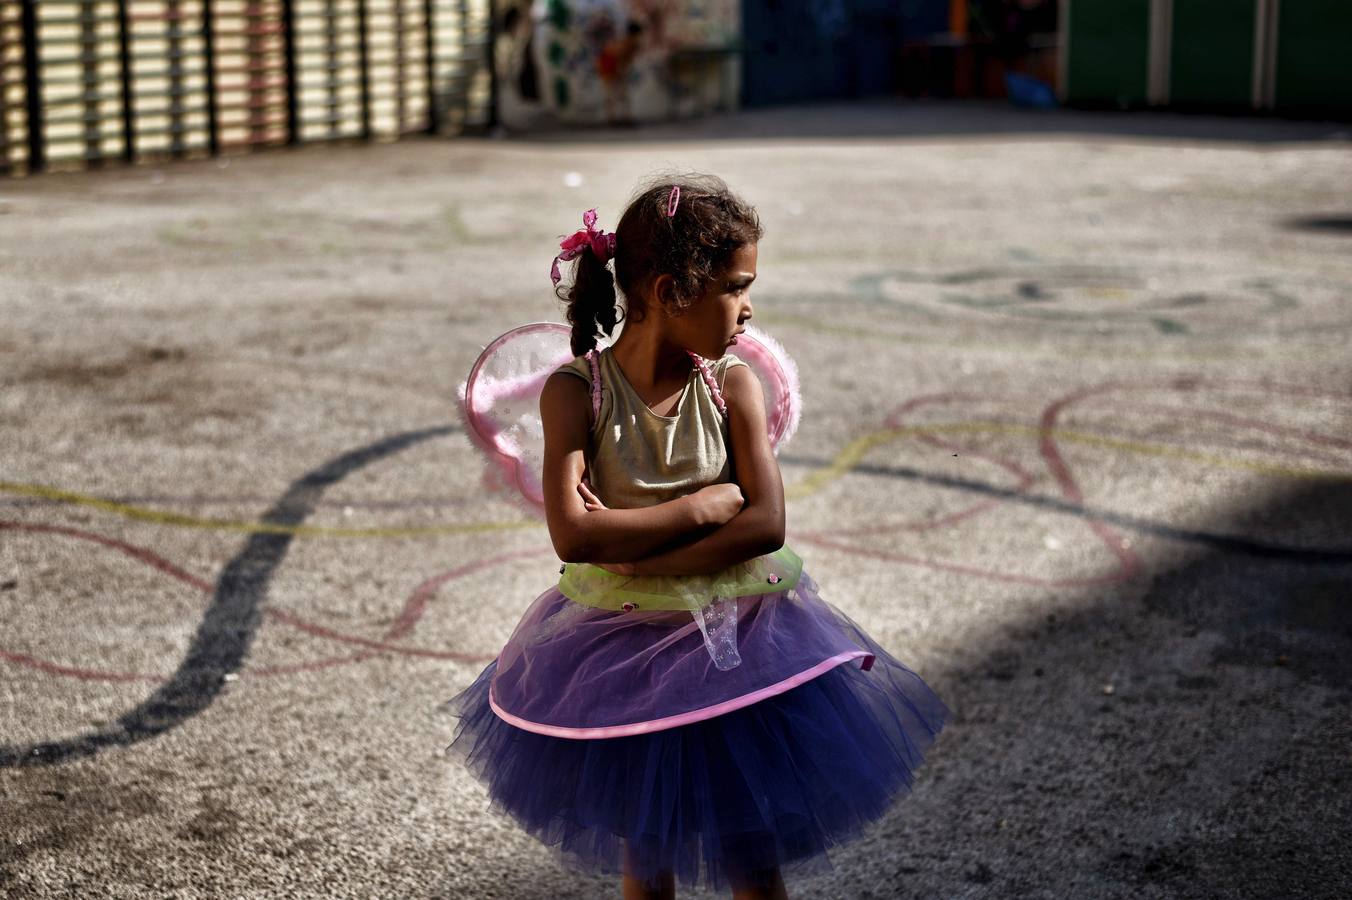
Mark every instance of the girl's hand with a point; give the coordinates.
(593, 503)
(717, 503)
(589, 498)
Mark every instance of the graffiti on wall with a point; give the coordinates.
(617, 61)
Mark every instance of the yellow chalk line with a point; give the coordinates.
(848, 458)
(922, 341)
(161, 517)
(854, 452)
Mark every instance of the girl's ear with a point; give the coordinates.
(664, 292)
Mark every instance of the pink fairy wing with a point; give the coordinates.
(500, 401)
(778, 375)
(500, 406)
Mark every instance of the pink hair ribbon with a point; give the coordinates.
(673, 199)
(602, 244)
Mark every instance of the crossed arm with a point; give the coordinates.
(699, 533)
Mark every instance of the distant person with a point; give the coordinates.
(520, 94)
(1011, 23)
(683, 705)
(612, 66)
(522, 59)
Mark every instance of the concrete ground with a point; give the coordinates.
(244, 555)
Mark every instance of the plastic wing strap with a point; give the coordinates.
(718, 623)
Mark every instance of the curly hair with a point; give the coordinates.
(694, 247)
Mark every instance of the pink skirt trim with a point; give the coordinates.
(685, 718)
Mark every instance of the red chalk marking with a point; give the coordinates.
(1130, 564)
(1123, 572)
(1129, 560)
(1025, 478)
(1070, 488)
(141, 554)
(1312, 437)
(403, 625)
(413, 611)
(52, 668)
(989, 574)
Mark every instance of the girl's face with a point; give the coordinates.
(711, 325)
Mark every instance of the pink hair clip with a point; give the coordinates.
(673, 199)
(602, 244)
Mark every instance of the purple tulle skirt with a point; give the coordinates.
(715, 776)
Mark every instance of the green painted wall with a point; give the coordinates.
(1314, 55)
(1108, 52)
(1211, 52)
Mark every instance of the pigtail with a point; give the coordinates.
(591, 302)
(685, 226)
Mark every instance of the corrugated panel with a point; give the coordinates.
(397, 66)
(170, 97)
(13, 93)
(463, 92)
(327, 47)
(252, 87)
(79, 66)
(99, 80)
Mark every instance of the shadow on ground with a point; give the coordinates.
(1184, 736)
(1185, 740)
(920, 118)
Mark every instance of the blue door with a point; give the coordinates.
(804, 50)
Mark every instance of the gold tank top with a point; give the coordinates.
(636, 458)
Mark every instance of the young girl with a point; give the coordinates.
(613, 727)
